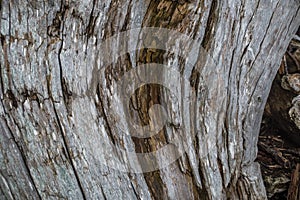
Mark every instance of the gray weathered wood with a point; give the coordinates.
(58, 105)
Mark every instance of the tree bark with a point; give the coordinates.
(59, 106)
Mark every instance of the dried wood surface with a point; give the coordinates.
(57, 105)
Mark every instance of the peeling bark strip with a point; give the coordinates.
(59, 108)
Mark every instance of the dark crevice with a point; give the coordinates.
(23, 157)
(10, 95)
(265, 34)
(2, 40)
(246, 29)
(194, 79)
(103, 113)
(220, 166)
(135, 192)
(61, 23)
(9, 186)
(211, 23)
(67, 151)
(67, 96)
(204, 194)
(198, 24)
(156, 185)
(158, 14)
(111, 22)
(127, 17)
(9, 15)
(60, 49)
(91, 24)
(102, 192)
(189, 171)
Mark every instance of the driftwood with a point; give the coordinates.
(65, 127)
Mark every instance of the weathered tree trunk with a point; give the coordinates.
(64, 127)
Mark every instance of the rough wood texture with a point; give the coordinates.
(54, 117)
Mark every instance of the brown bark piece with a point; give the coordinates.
(294, 189)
